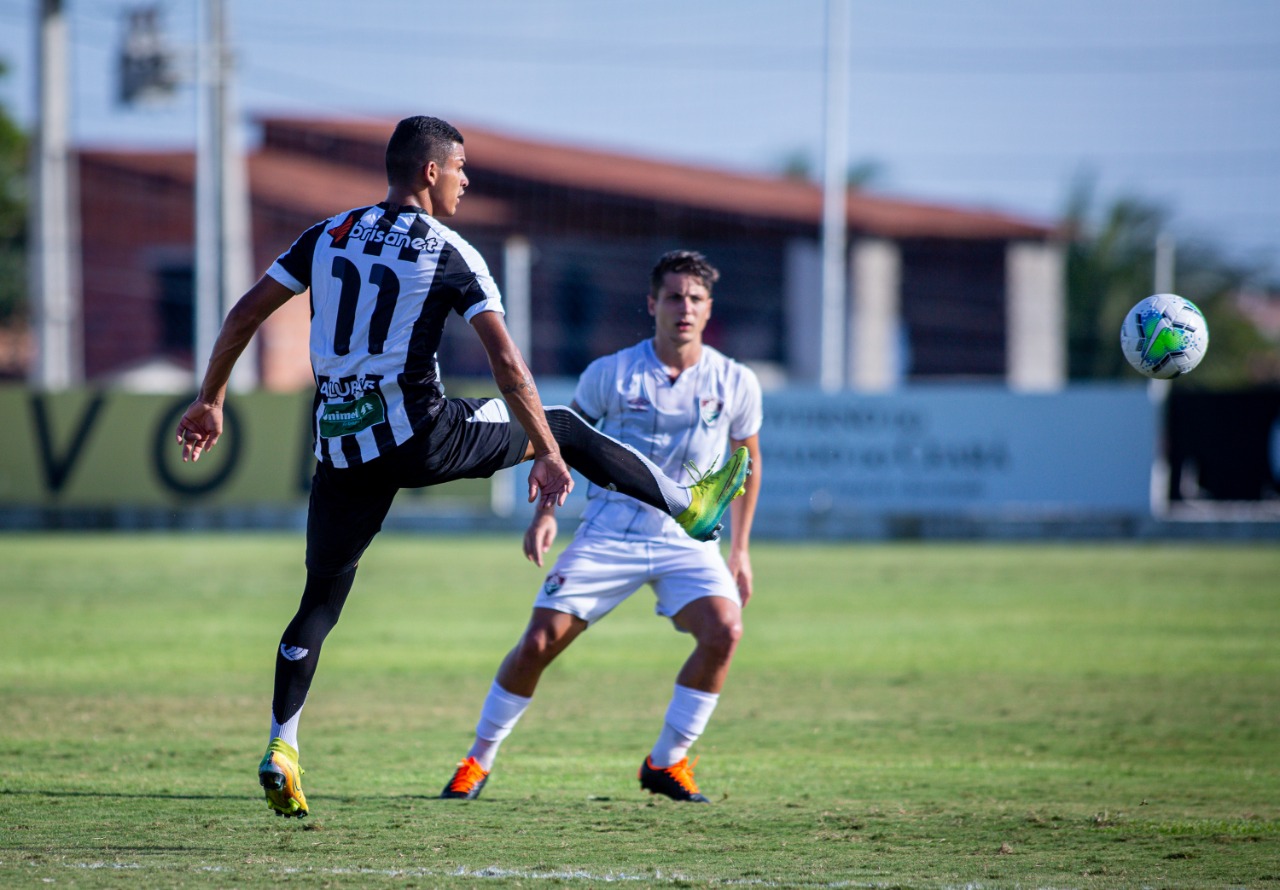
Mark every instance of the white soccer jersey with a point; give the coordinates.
(670, 422)
(383, 280)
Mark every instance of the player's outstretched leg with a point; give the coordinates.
(611, 464)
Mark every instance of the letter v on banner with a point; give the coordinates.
(57, 468)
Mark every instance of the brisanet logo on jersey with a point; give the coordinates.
(394, 239)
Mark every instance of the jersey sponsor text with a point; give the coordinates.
(394, 239)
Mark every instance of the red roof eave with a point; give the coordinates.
(296, 181)
(288, 182)
(764, 197)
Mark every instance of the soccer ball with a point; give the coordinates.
(1164, 336)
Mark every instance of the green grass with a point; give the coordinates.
(898, 716)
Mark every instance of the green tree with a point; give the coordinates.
(1239, 354)
(860, 174)
(1110, 266)
(13, 216)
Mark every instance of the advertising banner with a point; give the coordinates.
(920, 450)
(959, 449)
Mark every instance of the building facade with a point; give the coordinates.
(935, 293)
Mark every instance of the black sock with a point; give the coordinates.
(299, 652)
(607, 462)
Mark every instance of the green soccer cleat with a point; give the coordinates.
(711, 496)
(281, 779)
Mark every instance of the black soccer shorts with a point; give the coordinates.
(469, 439)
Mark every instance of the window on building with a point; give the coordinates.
(176, 308)
(953, 308)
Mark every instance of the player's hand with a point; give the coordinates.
(539, 536)
(549, 480)
(740, 568)
(199, 429)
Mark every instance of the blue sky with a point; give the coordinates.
(992, 103)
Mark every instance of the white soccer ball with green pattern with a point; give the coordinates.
(1164, 336)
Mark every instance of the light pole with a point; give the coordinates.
(223, 235)
(54, 229)
(835, 199)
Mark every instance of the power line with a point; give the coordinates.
(1225, 163)
(1181, 60)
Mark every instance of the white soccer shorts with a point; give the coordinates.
(594, 575)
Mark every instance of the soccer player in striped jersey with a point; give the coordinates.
(678, 402)
(383, 280)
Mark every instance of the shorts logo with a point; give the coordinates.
(293, 653)
(492, 411)
(553, 584)
(710, 409)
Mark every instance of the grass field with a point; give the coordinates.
(898, 716)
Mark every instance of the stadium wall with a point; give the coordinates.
(955, 462)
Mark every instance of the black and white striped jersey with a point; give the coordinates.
(383, 280)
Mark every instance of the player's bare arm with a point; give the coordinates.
(549, 476)
(201, 423)
(742, 512)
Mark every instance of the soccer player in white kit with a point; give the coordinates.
(678, 402)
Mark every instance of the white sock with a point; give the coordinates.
(287, 731)
(499, 715)
(677, 497)
(687, 717)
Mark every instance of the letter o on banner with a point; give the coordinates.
(163, 450)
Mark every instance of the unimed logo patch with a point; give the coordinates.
(347, 418)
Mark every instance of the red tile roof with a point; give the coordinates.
(285, 173)
(762, 197)
(293, 182)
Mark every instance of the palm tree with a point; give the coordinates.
(1110, 266)
(13, 215)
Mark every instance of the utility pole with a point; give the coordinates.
(517, 290)
(1166, 252)
(835, 187)
(223, 236)
(1158, 390)
(55, 279)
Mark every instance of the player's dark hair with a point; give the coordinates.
(416, 141)
(683, 262)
